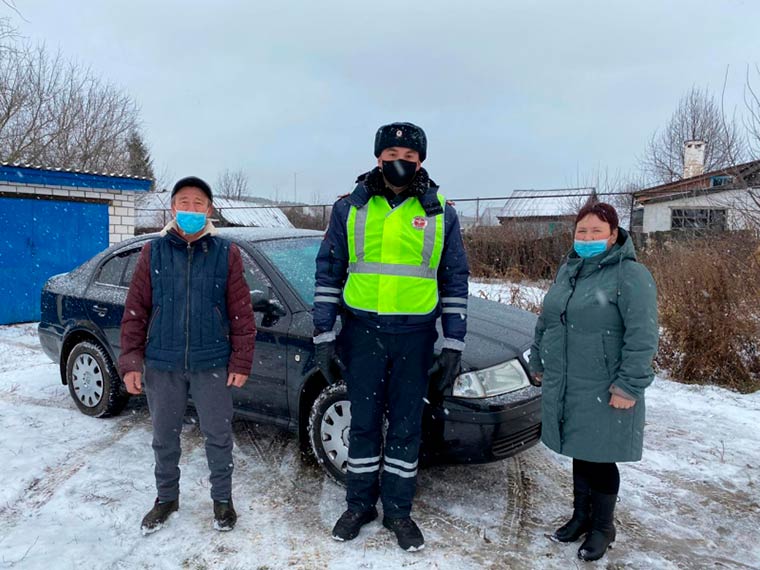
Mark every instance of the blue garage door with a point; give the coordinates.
(41, 238)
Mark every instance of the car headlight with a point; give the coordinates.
(500, 379)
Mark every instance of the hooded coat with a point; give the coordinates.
(597, 335)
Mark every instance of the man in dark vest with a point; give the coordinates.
(188, 330)
(393, 259)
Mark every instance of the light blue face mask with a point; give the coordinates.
(191, 222)
(588, 249)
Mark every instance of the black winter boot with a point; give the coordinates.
(350, 523)
(602, 532)
(225, 516)
(580, 523)
(407, 533)
(158, 515)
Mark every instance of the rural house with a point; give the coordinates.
(721, 200)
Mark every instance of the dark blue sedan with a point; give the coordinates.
(491, 413)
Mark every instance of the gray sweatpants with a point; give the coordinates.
(167, 394)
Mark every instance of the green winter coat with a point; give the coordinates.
(597, 331)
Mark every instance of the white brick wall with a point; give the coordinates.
(121, 204)
(657, 216)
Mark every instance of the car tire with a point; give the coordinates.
(329, 423)
(93, 382)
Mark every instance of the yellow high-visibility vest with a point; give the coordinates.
(393, 257)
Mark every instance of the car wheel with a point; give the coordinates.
(329, 424)
(93, 382)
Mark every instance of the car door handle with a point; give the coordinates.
(101, 311)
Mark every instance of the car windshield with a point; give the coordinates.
(296, 260)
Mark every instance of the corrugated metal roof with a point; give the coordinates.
(38, 175)
(249, 214)
(72, 170)
(151, 211)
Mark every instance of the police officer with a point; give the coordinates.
(393, 259)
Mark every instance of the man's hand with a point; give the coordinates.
(133, 382)
(449, 363)
(236, 380)
(326, 360)
(621, 403)
(537, 378)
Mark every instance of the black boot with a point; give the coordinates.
(350, 522)
(225, 516)
(158, 515)
(602, 527)
(580, 523)
(407, 533)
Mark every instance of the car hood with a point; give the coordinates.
(495, 333)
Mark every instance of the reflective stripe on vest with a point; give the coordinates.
(393, 257)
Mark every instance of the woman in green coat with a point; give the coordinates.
(592, 353)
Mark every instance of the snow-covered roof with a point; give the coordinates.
(71, 170)
(250, 214)
(151, 211)
(18, 173)
(541, 203)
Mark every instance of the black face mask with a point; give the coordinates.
(399, 173)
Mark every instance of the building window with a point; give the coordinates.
(720, 180)
(637, 220)
(698, 219)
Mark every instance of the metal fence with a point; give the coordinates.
(531, 206)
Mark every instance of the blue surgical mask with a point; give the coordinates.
(588, 249)
(191, 222)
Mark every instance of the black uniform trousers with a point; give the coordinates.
(387, 374)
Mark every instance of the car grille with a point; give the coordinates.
(511, 444)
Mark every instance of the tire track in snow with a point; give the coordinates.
(42, 489)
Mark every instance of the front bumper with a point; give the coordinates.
(481, 430)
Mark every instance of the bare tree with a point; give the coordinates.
(232, 184)
(697, 117)
(57, 113)
(7, 35)
(615, 188)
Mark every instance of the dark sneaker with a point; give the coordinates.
(225, 516)
(407, 533)
(158, 515)
(350, 522)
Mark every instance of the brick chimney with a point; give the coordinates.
(693, 158)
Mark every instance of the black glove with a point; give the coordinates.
(328, 362)
(449, 364)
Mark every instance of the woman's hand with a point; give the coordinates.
(621, 403)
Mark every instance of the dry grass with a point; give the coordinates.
(515, 254)
(708, 294)
(708, 301)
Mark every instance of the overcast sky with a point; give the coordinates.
(511, 94)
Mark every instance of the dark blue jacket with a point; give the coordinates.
(189, 327)
(332, 269)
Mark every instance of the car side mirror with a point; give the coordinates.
(264, 303)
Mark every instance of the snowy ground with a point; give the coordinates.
(75, 489)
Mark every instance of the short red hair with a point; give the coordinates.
(604, 212)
